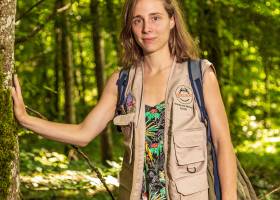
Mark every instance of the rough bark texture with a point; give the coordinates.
(9, 150)
(106, 143)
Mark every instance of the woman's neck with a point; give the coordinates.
(157, 61)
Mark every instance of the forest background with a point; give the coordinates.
(65, 51)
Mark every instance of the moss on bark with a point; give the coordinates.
(8, 136)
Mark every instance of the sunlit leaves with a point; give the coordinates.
(42, 160)
(248, 37)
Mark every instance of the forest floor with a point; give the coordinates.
(47, 174)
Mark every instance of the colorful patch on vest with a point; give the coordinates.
(184, 97)
(130, 103)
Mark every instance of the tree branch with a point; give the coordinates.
(29, 10)
(41, 26)
(271, 192)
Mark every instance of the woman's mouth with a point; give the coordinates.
(148, 40)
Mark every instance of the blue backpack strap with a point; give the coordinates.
(195, 75)
(122, 84)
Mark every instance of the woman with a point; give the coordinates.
(165, 157)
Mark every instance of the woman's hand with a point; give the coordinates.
(19, 107)
(78, 134)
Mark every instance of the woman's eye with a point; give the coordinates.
(136, 21)
(156, 18)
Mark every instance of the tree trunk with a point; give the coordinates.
(82, 66)
(106, 143)
(114, 26)
(9, 150)
(209, 33)
(267, 71)
(57, 60)
(67, 65)
(67, 68)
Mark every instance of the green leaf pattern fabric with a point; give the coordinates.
(153, 187)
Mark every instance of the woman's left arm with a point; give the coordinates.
(220, 134)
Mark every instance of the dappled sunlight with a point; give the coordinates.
(64, 53)
(68, 179)
(266, 141)
(47, 171)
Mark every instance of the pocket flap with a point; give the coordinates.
(188, 139)
(123, 120)
(191, 184)
(190, 147)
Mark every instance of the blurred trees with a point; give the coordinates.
(99, 55)
(239, 37)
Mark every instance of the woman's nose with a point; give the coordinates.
(146, 27)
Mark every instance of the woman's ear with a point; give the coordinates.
(172, 22)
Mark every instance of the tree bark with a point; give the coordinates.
(9, 149)
(67, 68)
(67, 65)
(106, 142)
(82, 66)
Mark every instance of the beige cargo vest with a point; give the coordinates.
(184, 138)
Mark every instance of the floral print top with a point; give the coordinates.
(153, 186)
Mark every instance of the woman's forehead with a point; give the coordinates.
(148, 7)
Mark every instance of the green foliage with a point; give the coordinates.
(55, 176)
(262, 170)
(41, 160)
(239, 37)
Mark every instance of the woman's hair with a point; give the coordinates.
(180, 41)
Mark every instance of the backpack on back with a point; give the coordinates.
(245, 190)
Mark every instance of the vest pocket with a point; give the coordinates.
(127, 126)
(190, 149)
(193, 187)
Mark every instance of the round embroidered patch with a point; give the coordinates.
(184, 94)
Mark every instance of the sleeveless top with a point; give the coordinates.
(153, 185)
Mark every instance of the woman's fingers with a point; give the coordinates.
(15, 96)
(13, 93)
(19, 107)
(17, 87)
(16, 92)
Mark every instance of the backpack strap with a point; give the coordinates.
(195, 75)
(122, 84)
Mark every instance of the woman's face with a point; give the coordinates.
(151, 25)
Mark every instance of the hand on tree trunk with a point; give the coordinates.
(19, 107)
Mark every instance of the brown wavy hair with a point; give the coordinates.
(180, 41)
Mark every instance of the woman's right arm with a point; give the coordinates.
(78, 134)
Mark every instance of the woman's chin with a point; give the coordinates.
(149, 50)
(152, 48)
